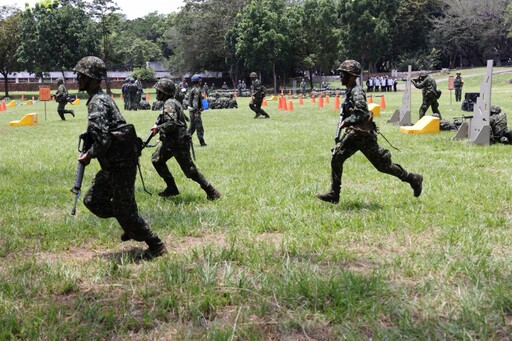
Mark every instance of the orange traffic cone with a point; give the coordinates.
(312, 98)
(285, 108)
(264, 104)
(280, 103)
(327, 99)
(301, 101)
(147, 96)
(112, 96)
(370, 99)
(382, 103)
(290, 105)
(321, 102)
(235, 95)
(121, 96)
(22, 97)
(4, 106)
(337, 102)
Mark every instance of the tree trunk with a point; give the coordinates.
(6, 84)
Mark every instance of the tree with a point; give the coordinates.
(367, 30)
(260, 35)
(54, 35)
(472, 31)
(9, 21)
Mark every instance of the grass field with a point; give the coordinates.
(268, 260)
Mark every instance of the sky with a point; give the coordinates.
(132, 8)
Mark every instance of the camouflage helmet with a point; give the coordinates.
(60, 80)
(495, 109)
(423, 74)
(351, 66)
(166, 85)
(253, 75)
(92, 67)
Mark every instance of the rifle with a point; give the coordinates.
(150, 135)
(84, 143)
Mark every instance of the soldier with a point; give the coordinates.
(195, 108)
(361, 135)
(61, 96)
(140, 88)
(458, 83)
(429, 92)
(132, 95)
(144, 104)
(124, 91)
(176, 141)
(114, 144)
(258, 92)
(499, 130)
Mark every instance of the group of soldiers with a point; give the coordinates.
(132, 90)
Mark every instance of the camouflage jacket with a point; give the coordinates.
(104, 115)
(457, 82)
(172, 123)
(195, 100)
(257, 89)
(498, 123)
(355, 110)
(428, 86)
(61, 94)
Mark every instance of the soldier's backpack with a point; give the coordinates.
(125, 145)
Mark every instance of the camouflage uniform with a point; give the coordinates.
(361, 135)
(257, 93)
(195, 110)
(112, 193)
(133, 103)
(144, 105)
(124, 91)
(176, 142)
(458, 84)
(499, 130)
(61, 96)
(429, 92)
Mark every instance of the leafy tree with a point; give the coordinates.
(146, 74)
(367, 30)
(9, 20)
(54, 35)
(472, 31)
(260, 35)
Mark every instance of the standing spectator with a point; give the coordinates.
(140, 89)
(224, 86)
(205, 89)
(258, 92)
(132, 92)
(395, 84)
(195, 109)
(361, 135)
(303, 87)
(458, 83)
(429, 92)
(377, 83)
(176, 142)
(61, 96)
(112, 193)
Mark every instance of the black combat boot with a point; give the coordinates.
(331, 196)
(125, 236)
(211, 192)
(155, 249)
(203, 144)
(416, 182)
(171, 189)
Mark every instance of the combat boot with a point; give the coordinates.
(331, 196)
(211, 192)
(171, 189)
(416, 182)
(156, 248)
(125, 236)
(203, 144)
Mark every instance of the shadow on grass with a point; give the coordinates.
(133, 255)
(358, 205)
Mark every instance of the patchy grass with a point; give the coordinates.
(268, 260)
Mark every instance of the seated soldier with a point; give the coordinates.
(499, 130)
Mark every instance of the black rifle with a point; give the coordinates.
(84, 143)
(150, 135)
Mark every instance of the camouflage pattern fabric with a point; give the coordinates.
(175, 143)
(133, 102)
(196, 122)
(499, 128)
(258, 93)
(429, 92)
(360, 135)
(144, 105)
(112, 192)
(458, 84)
(61, 96)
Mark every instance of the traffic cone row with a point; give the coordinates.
(337, 102)
(301, 101)
(382, 103)
(3, 106)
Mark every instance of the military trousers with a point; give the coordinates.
(427, 103)
(366, 144)
(181, 153)
(112, 194)
(255, 106)
(196, 124)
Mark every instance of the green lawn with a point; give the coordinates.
(268, 260)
